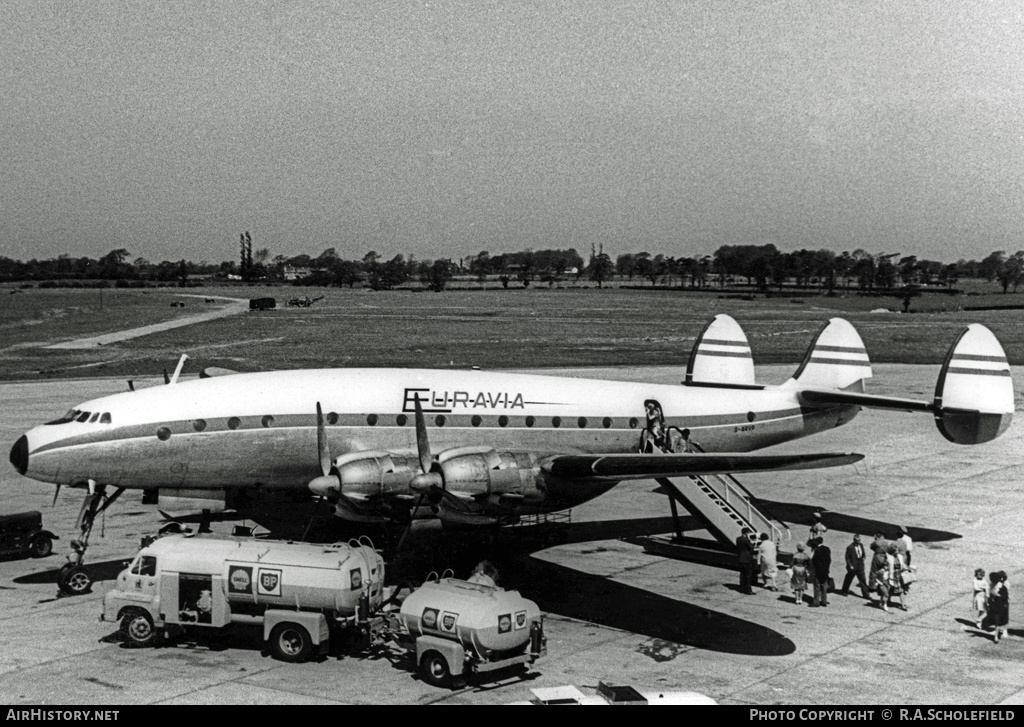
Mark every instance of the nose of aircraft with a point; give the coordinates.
(19, 455)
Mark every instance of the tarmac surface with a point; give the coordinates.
(614, 612)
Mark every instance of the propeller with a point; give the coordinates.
(430, 483)
(56, 493)
(328, 483)
(426, 482)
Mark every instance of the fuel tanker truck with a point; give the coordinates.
(299, 592)
(457, 628)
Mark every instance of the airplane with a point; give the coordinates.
(481, 448)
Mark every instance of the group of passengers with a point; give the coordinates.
(889, 571)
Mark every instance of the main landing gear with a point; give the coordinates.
(74, 579)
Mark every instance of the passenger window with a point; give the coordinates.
(148, 566)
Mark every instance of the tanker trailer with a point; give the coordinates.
(458, 628)
(298, 592)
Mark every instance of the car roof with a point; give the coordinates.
(21, 516)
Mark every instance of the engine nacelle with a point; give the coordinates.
(370, 474)
(503, 477)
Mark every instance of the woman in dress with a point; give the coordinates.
(798, 578)
(998, 604)
(896, 568)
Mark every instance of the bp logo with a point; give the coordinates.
(269, 582)
(430, 618)
(448, 621)
(520, 621)
(504, 623)
(240, 579)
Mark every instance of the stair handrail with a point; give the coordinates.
(726, 478)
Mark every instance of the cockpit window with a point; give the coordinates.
(84, 416)
(94, 417)
(105, 419)
(69, 417)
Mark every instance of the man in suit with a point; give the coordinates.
(821, 564)
(855, 556)
(745, 553)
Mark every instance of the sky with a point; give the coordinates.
(442, 129)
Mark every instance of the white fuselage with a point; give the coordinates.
(259, 429)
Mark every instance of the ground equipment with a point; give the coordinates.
(299, 592)
(22, 533)
(458, 628)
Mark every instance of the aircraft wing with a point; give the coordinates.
(619, 467)
(819, 397)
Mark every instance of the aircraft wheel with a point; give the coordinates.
(290, 642)
(74, 580)
(434, 670)
(137, 628)
(42, 546)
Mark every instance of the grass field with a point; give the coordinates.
(534, 327)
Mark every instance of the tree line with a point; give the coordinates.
(761, 267)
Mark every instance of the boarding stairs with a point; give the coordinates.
(724, 507)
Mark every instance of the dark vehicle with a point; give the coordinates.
(22, 534)
(262, 303)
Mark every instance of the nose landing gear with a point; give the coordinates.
(74, 579)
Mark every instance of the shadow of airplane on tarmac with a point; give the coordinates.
(103, 571)
(798, 514)
(556, 589)
(583, 596)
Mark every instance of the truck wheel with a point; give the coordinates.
(74, 581)
(137, 628)
(42, 546)
(434, 670)
(290, 642)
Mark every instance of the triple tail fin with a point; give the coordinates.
(721, 356)
(836, 359)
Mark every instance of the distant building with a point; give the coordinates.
(294, 273)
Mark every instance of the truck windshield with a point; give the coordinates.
(144, 565)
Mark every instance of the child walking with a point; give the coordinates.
(980, 596)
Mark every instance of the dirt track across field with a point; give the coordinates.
(234, 307)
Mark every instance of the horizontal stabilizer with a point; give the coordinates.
(974, 393)
(617, 467)
(826, 397)
(721, 355)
